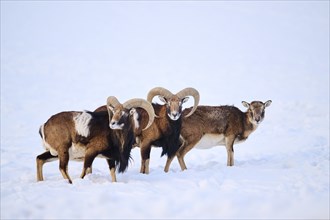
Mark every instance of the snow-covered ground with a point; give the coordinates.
(58, 56)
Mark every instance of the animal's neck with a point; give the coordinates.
(177, 123)
(162, 112)
(249, 125)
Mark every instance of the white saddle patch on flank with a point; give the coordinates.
(81, 121)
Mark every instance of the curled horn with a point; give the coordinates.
(113, 101)
(158, 91)
(141, 103)
(190, 92)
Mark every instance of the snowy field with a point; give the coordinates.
(58, 56)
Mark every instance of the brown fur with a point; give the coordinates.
(142, 114)
(164, 133)
(60, 134)
(229, 121)
(163, 129)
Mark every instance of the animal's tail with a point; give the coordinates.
(41, 131)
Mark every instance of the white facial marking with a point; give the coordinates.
(81, 121)
(174, 115)
(116, 126)
(254, 122)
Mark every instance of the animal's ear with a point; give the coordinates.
(268, 103)
(185, 99)
(132, 111)
(111, 108)
(245, 104)
(162, 98)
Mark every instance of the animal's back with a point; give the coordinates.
(213, 119)
(60, 124)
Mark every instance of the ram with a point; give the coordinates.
(165, 130)
(212, 126)
(85, 135)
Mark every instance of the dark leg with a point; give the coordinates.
(112, 167)
(183, 151)
(145, 158)
(64, 161)
(41, 160)
(168, 163)
(89, 158)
